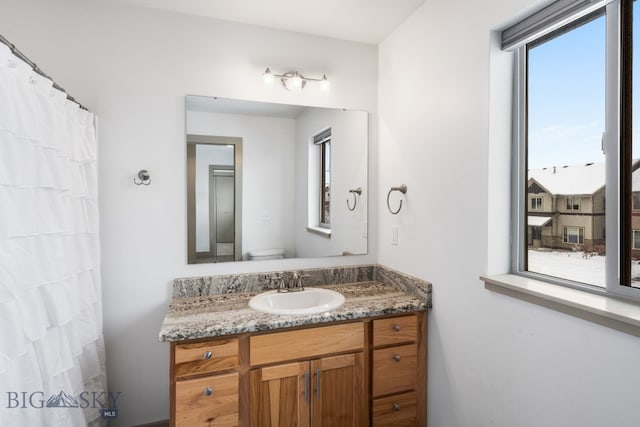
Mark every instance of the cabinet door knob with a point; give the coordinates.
(396, 357)
(396, 328)
(396, 406)
(208, 391)
(207, 355)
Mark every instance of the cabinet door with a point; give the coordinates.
(339, 396)
(280, 396)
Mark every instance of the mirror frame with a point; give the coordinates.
(192, 141)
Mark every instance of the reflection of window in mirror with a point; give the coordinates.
(323, 141)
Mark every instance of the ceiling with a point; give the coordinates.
(365, 21)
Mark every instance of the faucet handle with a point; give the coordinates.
(297, 277)
(279, 277)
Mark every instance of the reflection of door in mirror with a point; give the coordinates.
(214, 196)
(221, 212)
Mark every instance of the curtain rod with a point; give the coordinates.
(37, 69)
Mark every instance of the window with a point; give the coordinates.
(573, 203)
(536, 203)
(573, 235)
(636, 200)
(573, 127)
(636, 239)
(323, 141)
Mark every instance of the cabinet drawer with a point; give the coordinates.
(394, 330)
(394, 369)
(306, 343)
(210, 401)
(397, 410)
(211, 356)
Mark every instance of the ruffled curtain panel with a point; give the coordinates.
(51, 342)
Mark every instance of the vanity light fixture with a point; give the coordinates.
(293, 80)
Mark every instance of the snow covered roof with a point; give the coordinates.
(538, 221)
(573, 179)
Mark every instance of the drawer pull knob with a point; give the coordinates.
(396, 357)
(208, 391)
(396, 328)
(207, 355)
(396, 406)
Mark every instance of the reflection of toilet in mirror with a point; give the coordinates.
(262, 254)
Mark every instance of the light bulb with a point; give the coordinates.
(267, 77)
(296, 82)
(324, 84)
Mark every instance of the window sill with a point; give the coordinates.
(603, 310)
(326, 232)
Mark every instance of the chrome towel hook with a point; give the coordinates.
(143, 178)
(357, 191)
(403, 190)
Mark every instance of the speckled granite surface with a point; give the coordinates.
(228, 313)
(406, 282)
(255, 282)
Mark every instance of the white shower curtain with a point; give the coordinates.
(51, 343)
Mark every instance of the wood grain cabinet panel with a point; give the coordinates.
(207, 402)
(394, 369)
(394, 411)
(280, 395)
(306, 343)
(339, 398)
(394, 330)
(206, 357)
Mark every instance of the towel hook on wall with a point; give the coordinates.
(403, 190)
(357, 191)
(144, 178)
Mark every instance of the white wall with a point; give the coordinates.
(268, 145)
(133, 67)
(348, 170)
(444, 131)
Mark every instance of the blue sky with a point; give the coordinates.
(566, 97)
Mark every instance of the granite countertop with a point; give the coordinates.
(227, 314)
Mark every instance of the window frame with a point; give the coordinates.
(633, 245)
(617, 76)
(325, 198)
(539, 206)
(580, 234)
(572, 202)
(635, 201)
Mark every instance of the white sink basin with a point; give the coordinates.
(309, 301)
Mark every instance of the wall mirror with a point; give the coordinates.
(268, 181)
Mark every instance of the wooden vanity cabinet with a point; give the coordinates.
(369, 372)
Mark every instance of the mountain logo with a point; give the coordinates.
(62, 400)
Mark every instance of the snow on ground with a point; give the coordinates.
(577, 266)
(569, 265)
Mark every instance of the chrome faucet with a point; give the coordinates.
(294, 284)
